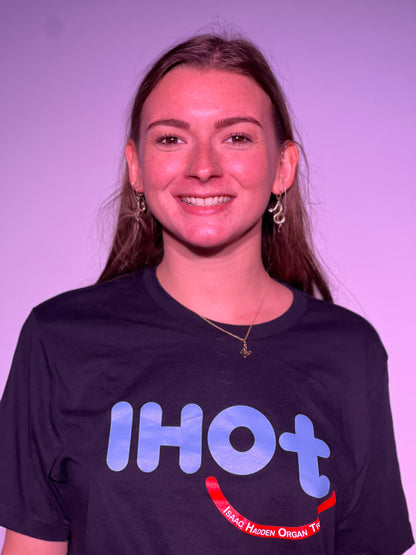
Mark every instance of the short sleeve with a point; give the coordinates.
(378, 522)
(29, 443)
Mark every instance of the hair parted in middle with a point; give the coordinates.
(288, 255)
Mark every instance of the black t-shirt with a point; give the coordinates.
(131, 426)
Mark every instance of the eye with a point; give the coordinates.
(169, 140)
(239, 139)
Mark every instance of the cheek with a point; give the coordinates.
(158, 172)
(236, 163)
(252, 170)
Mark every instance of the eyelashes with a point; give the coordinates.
(239, 138)
(235, 138)
(169, 140)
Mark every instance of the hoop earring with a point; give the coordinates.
(278, 211)
(140, 206)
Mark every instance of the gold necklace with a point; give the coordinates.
(244, 350)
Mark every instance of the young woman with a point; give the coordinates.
(199, 398)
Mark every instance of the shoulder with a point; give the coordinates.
(90, 313)
(99, 318)
(96, 299)
(342, 338)
(336, 320)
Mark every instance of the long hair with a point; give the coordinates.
(287, 256)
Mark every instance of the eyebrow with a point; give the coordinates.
(180, 124)
(220, 124)
(227, 122)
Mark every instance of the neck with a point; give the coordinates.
(227, 286)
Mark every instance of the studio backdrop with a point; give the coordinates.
(68, 72)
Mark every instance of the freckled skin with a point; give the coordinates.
(237, 161)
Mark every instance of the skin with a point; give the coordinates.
(207, 160)
(209, 134)
(18, 544)
(203, 161)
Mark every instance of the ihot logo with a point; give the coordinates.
(188, 438)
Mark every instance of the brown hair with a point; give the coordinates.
(287, 256)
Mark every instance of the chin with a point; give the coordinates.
(211, 245)
(208, 242)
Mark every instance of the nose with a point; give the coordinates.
(204, 163)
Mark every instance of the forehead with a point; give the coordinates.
(190, 91)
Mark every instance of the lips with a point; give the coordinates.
(207, 201)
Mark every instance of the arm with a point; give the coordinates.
(377, 522)
(29, 502)
(18, 544)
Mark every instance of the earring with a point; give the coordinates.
(140, 206)
(278, 211)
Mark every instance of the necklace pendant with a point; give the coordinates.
(244, 351)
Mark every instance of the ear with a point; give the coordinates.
(135, 172)
(286, 170)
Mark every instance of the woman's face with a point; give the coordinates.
(208, 157)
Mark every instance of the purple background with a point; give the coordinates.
(68, 72)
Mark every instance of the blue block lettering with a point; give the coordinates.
(120, 436)
(241, 462)
(309, 448)
(187, 436)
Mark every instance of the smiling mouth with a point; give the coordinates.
(208, 201)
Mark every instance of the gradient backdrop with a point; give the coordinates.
(68, 71)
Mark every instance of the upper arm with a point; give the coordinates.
(19, 544)
(29, 447)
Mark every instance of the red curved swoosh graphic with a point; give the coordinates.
(249, 527)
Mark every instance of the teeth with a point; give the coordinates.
(208, 201)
